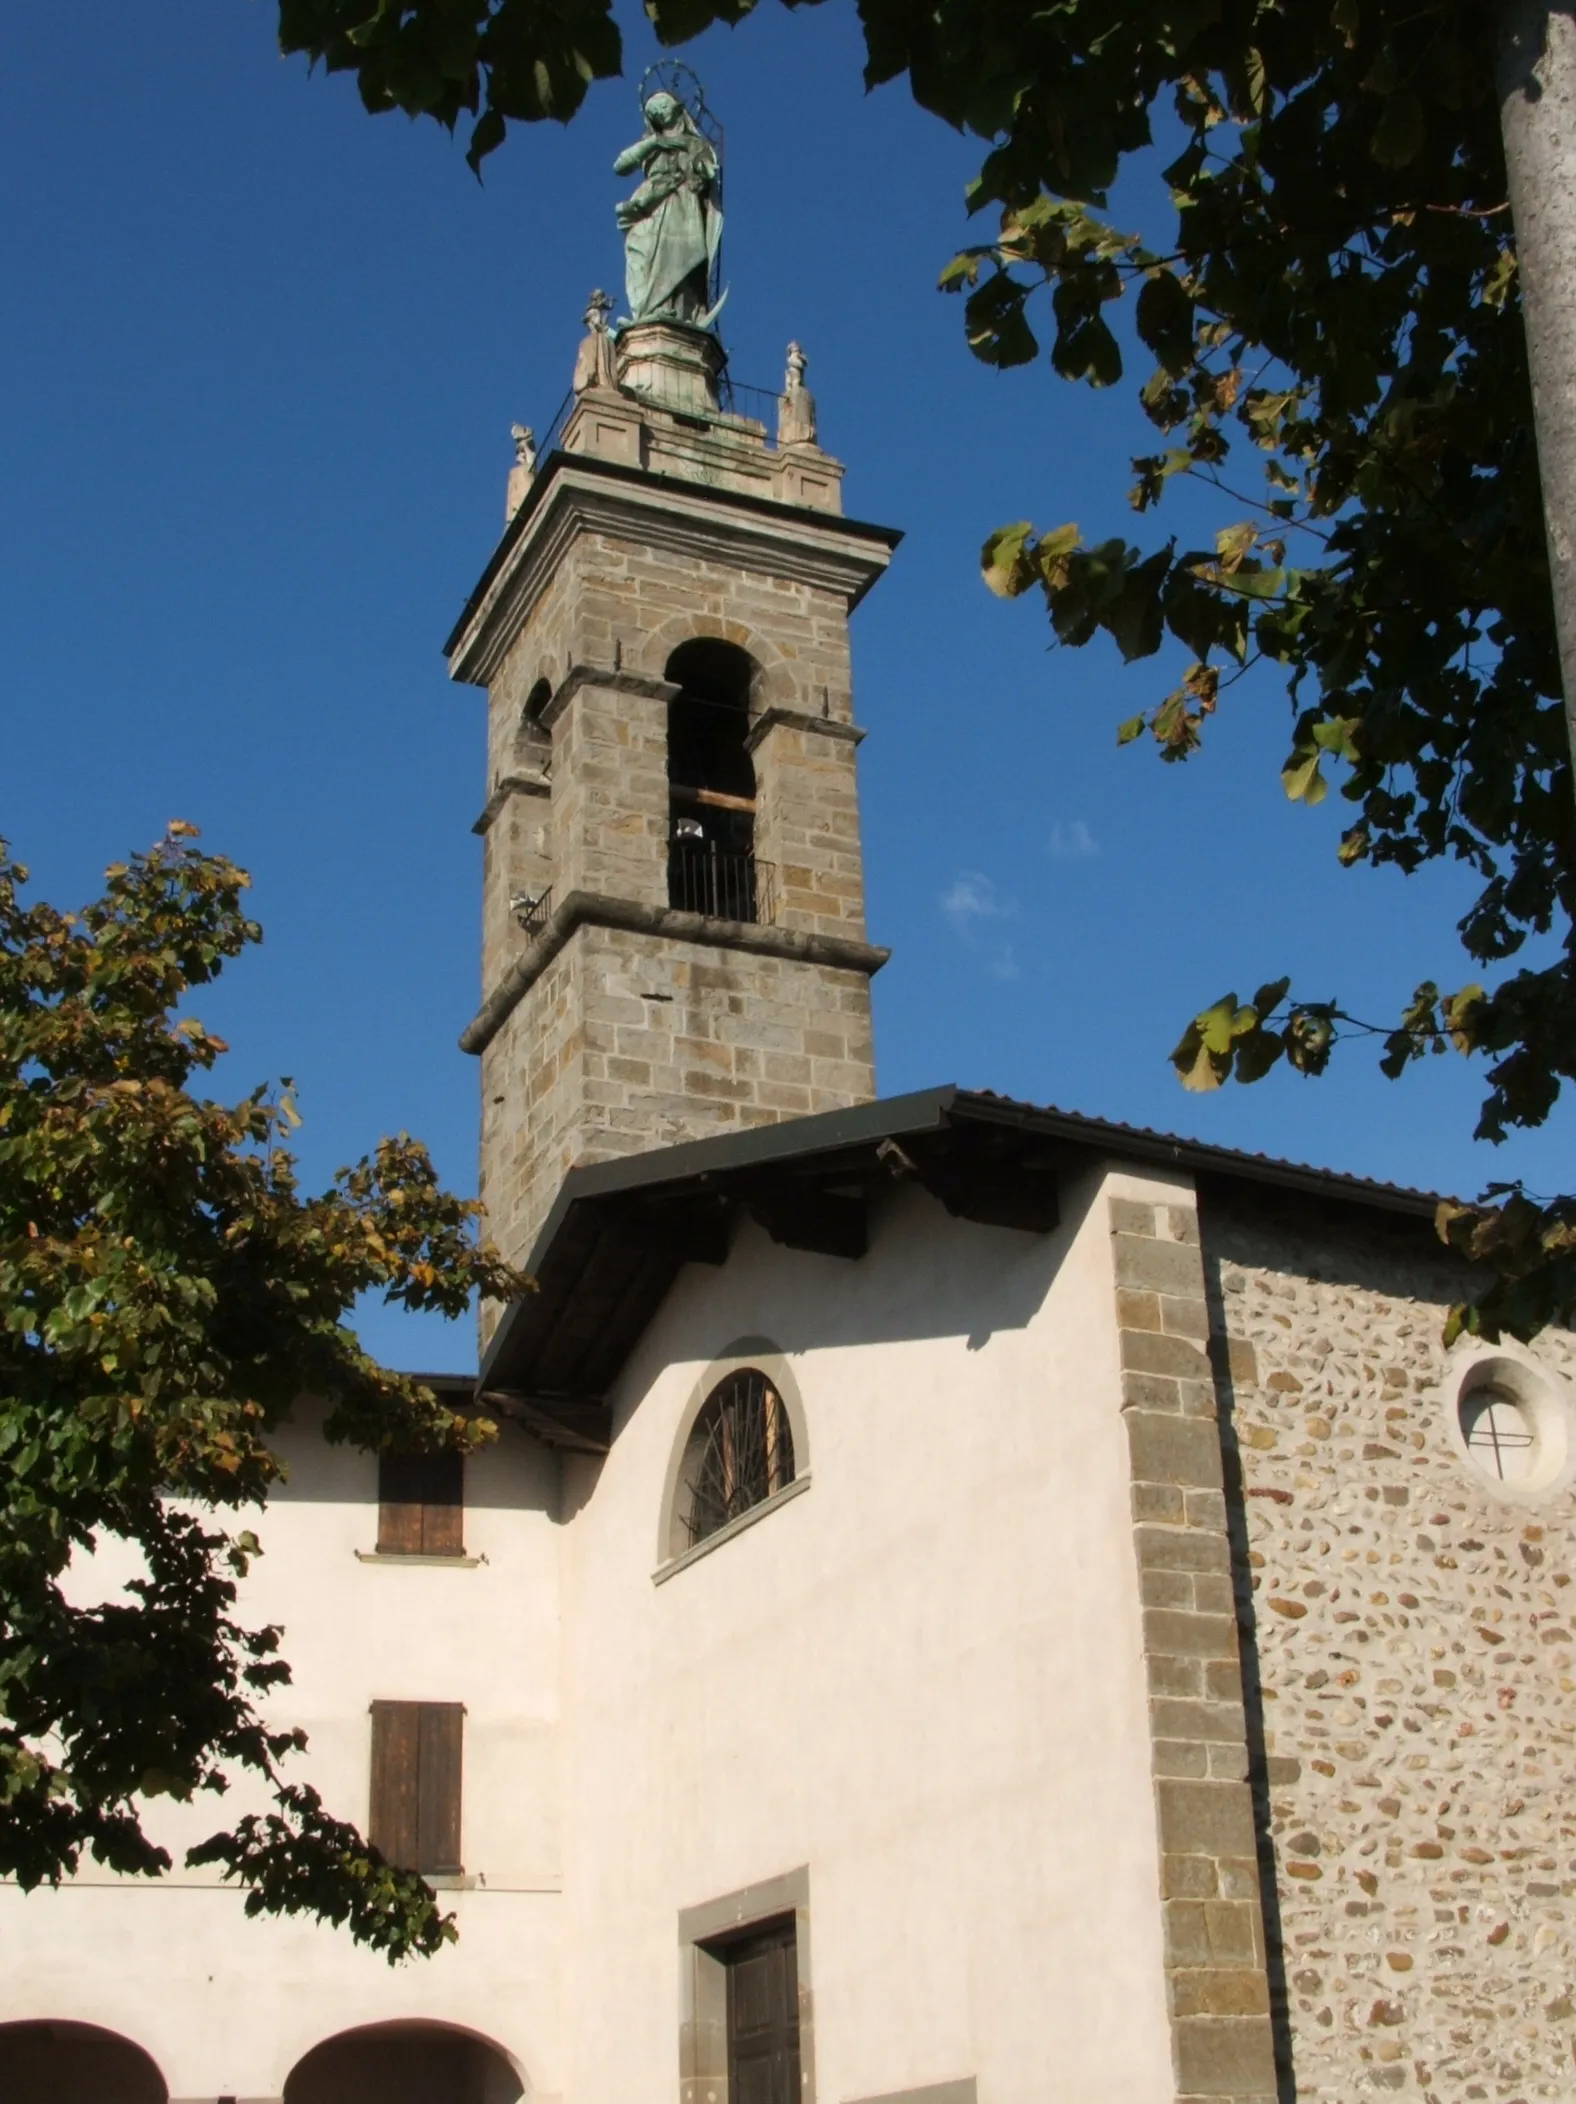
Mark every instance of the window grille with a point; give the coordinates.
(741, 1452)
(1499, 1434)
(723, 883)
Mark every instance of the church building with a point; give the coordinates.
(969, 1603)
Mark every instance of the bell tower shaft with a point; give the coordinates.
(673, 921)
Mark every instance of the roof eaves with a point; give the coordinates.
(1146, 1144)
(666, 1172)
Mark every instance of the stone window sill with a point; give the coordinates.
(669, 1570)
(431, 1563)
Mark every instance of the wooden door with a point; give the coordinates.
(763, 2017)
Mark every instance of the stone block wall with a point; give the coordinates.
(1411, 1641)
(621, 1031)
(1217, 1989)
(610, 792)
(807, 826)
(613, 600)
(620, 608)
(723, 451)
(516, 832)
(629, 1041)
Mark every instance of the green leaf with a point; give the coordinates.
(998, 329)
(1398, 138)
(1302, 779)
(1134, 618)
(1497, 285)
(1164, 317)
(1088, 351)
(1257, 1053)
(487, 135)
(1004, 560)
(1197, 1067)
(1269, 997)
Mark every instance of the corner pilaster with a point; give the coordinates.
(1217, 1987)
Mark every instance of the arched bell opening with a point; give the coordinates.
(71, 2063)
(404, 2063)
(711, 784)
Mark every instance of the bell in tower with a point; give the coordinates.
(673, 920)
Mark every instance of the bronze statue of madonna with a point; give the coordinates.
(673, 223)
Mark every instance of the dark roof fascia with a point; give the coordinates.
(1202, 1157)
(697, 1162)
(758, 1147)
(620, 471)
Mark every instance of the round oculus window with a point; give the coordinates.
(1513, 1425)
(1500, 1434)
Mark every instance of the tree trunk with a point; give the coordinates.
(1537, 95)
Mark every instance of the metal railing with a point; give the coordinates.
(533, 914)
(741, 399)
(555, 430)
(723, 883)
(734, 398)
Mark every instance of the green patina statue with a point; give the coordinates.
(673, 223)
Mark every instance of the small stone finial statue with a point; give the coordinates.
(673, 223)
(594, 359)
(524, 468)
(796, 410)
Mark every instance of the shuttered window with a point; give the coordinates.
(416, 1783)
(421, 1504)
(763, 2016)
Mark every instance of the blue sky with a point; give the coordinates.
(259, 362)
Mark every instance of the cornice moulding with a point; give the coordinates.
(589, 496)
(596, 909)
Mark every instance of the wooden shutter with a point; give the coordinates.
(438, 1806)
(421, 1505)
(416, 1761)
(763, 2017)
(395, 1742)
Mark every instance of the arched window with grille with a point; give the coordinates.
(740, 1453)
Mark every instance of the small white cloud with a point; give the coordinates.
(970, 899)
(972, 903)
(1072, 840)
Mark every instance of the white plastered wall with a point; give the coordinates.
(226, 2006)
(922, 1679)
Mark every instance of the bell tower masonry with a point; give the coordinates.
(673, 939)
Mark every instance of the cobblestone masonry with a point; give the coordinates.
(1217, 1990)
(1412, 1634)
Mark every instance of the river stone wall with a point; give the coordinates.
(1409, 1662)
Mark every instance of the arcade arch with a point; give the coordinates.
(46, 2062)
(404, 2063)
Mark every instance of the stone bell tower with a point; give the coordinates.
(673, 936)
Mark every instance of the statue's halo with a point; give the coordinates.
(670, 76)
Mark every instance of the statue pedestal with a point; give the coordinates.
(672, 364)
